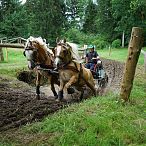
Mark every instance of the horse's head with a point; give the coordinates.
(34, 52)
(63, 53)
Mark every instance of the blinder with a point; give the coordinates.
(65, 51)
(33, 58)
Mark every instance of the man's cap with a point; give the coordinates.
(90, 46)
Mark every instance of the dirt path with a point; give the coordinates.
(19, 106)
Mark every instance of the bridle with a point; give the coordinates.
(34, 59)
(35, 51)
(66, 47)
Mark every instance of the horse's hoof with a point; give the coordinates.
(61, 100)
(56, 97)
(70, 90)
(38, 97)
(57, 100)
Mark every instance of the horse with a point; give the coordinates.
(40, 59)
(71, 71)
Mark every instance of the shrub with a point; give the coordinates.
(116, 43)
(100, 43)
(79, 37)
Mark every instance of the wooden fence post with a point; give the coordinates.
(134, 50)
(1, 54)
(6, 54)
(109, 50)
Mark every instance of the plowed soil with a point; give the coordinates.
(18, 105)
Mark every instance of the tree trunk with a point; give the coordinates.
(134, 50)
(1, 55)
(123, 39)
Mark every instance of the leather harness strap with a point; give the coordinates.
(74, 69)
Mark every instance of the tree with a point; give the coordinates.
(89, 25)
(11, 14)
(105, 20)
(128, 14)
(75, 13)
(46, 18)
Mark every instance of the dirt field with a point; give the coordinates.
(19, 106)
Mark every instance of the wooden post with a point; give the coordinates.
(109, 50)
(134, 50)
(123, 38)
(6, 54)
(1, 54)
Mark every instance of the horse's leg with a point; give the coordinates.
(82, 93)
(53, 88)
(38, 85)
(60, 93)
(91, 86)
(72, 80)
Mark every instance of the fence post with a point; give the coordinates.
(6, 54)
(1, 54)
(109, 50)
(134, 50)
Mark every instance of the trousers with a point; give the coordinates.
(90, 66)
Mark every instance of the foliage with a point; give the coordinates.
(116, 43)
(100, 43)
(11, 13)
(46, 18)
(50, 19)
(89, 25)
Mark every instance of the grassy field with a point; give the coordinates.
(100, 121)
(119, 54)
(15, 62)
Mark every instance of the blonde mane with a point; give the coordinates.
(74, 51)
(41, 42)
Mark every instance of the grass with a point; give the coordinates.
(16, 61)
(119, 55)
(99, 121)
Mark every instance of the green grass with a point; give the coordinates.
(119, 54)
(99, 121)
(16, 61)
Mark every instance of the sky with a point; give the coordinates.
(23, 1)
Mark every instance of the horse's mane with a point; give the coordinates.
(74, 51)
(41, 42)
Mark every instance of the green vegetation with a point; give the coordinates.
(16, 61)
(101, 121)
(108, 19)
(118, 54)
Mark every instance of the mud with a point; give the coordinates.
(18, 105)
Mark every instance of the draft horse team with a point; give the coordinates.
(60, 65)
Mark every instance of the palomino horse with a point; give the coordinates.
(39, 56)
(71, 72)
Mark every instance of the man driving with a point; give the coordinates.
(91, 58)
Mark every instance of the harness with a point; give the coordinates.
(73, 68)
(42, 66)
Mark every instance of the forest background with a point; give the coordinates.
(101, 23)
